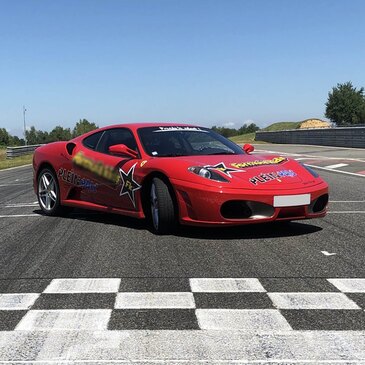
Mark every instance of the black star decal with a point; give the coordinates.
(129, 184)
(222, 168)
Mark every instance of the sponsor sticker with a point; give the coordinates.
(129, 185)
(270, 176)
(96, 167)
(172, 129)
(71, 177)
(273, 161)
(222, 168)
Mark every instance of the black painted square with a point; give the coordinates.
(23, 285)
(232, 300)
(9, 319)
(154, 285)
(326, 320)
(76, 301)
(153, 319)
(293, 285)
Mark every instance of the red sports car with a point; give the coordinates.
(171, 173)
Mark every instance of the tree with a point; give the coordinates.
(15, 141)
(4, 137)
(32, 136)
(251, 128)
(83, 126)
(346, 105)
(57, 134)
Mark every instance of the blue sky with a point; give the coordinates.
(201, 61)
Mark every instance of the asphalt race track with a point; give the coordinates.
(94, 288)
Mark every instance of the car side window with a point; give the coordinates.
(92, 141)
(117, 136)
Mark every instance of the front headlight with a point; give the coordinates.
(208, 174)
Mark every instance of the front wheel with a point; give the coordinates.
(163, 216)
(48, 192)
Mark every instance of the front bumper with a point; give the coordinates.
(201, 205)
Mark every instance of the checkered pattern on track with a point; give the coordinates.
(266, 304)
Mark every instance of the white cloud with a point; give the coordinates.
(229, 124)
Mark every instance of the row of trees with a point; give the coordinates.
(229, 132)
(58, 133)
(346, 105)
(7, 140)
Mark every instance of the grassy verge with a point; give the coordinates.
(14, 162)
(245, 138)
(282, 126)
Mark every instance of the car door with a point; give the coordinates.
(78, 180)
(117, 186)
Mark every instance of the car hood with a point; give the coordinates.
(249, 171)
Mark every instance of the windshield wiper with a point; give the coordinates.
(171, 155)
(222, 153)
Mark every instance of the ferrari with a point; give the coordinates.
(174, 174)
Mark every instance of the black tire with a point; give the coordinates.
(162, 208)
(49, 196)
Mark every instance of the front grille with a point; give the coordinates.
(246, 209)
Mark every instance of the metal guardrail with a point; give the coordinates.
(12, 152)
(338, 137)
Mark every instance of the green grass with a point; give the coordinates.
(245, 138)
(282, 126)
(14, 162)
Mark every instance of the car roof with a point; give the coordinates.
(135, 126)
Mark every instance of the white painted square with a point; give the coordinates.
(154, 300)
(349, 285)
(67, 286)
(312, 301)
(291, 200)
(17, 301)
(250, 320)
(226, 285)
(65, 319)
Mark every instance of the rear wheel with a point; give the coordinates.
(48, 192)
(163, 216)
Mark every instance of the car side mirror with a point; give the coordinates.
(122, 149)
(248, 148)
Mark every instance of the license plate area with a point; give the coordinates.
(291, 200)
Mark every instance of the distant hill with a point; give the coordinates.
(308, 123)
(281, 126)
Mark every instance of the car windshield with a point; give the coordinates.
(172, 141)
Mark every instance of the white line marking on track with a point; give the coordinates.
(17, 301)
(337, 166)
(339, 171)
(20, 215)
(314, 156)
(148, 361)
(349, 285)
(83, 285)
(312, 301)
(242, 319)
(347, 212)
(65, 319)
(24, 184)
(21, 205)
(16, 167)
(326, 253)
(226, 285)
(190, 347)
(154, 300)
(347, 201)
